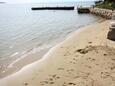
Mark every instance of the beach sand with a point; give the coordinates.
(84, 58)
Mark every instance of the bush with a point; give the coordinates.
(106, 5)
(113, 5)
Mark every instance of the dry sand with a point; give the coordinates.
(85, 58)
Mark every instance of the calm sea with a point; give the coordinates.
(24, 32)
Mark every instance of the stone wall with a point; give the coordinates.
(105, 13)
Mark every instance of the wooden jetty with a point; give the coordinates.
(53, 8)
(83, 9)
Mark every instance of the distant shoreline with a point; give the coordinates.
(2, 2)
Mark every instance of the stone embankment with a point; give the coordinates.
(105, 13)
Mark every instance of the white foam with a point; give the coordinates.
(3, 71)
(14, 54)
(11, 46)
(33, 51)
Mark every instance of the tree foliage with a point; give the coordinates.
(109, 1)
(107, 4)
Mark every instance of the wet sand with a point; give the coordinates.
(19, 63)
(85, 58)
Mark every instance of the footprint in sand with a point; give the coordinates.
(55, 76)
(105, 74)
(67, 53)
(69, 84)
(62, 47)
(113, 67)
(26, 84)
(43, 82)
(88, 66)
(70, 71)
(97, 64)
(113, 59)
(60, 69)
(105, 54)
(90, 42)
(46, 82)
(50, 80)
(74, 61)
(64, 84)
(91, 59)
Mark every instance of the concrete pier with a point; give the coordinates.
(53, 8)
(83, 10)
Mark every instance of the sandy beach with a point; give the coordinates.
(85, 58)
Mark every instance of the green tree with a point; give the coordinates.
(107, 4)
(109, 1)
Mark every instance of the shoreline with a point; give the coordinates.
(59, 66)
(19, 63)
(29, 58)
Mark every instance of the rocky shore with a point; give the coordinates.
(105, 13)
